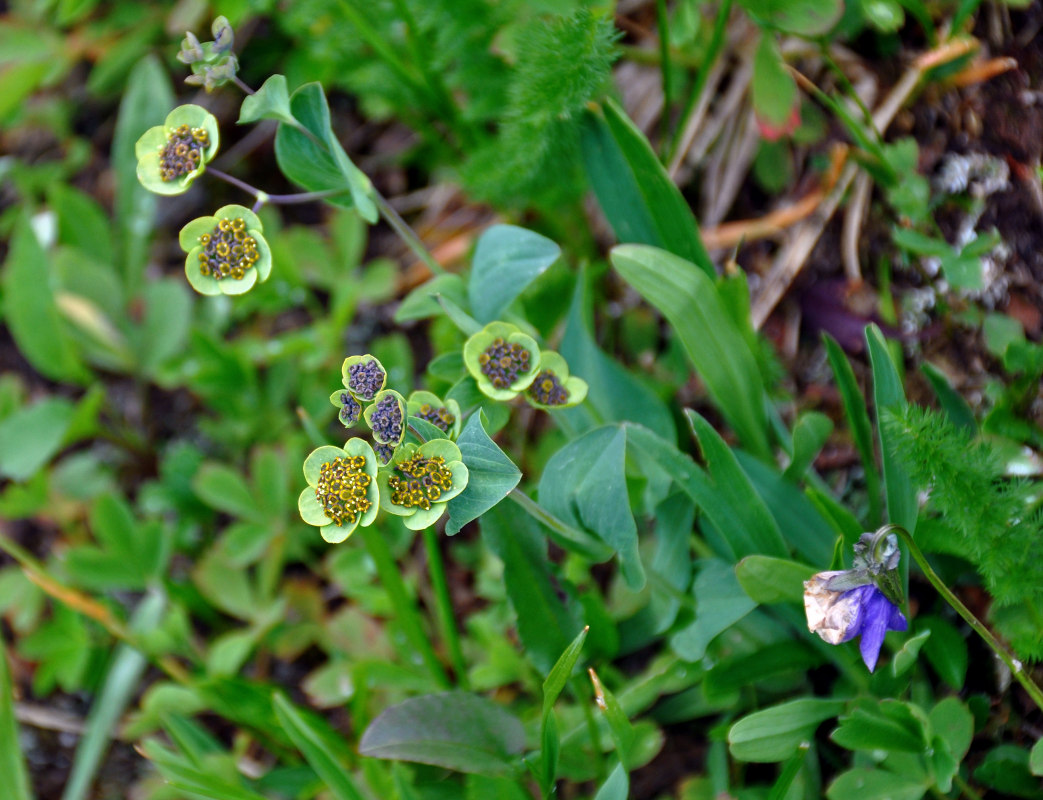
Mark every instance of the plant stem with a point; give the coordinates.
(565, 535)
(263, 197)
(444, 606)
(1017, 669)
(406, 613)
(236, 80)
(407, 234)
(964, 787)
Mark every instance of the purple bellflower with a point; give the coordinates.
(862, 601)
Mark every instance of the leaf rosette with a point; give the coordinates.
(502, 360)
(227, 252)
(553, 387)
(386, 417)
(172, 155)
(342, 491)
(430, 408)
(419, 481)
(364, 376)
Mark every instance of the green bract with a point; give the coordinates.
(342, 489)
(553, 387)
(227, 253)
(172, 155)
(363, 376)
(502, 359)
(429, 407)
(419, 481)
(386, 417)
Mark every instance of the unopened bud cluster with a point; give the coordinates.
(386, 420)
(439, 416)
(502, 362)
(366, 378)
(547, 390)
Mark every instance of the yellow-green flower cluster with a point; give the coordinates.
(506, 362)
(227, 253)
(172, 155)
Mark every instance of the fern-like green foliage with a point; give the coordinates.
(996, 521)
(560, 65)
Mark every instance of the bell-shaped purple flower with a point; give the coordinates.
(840, 614)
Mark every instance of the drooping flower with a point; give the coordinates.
(350, 408)
(862, 601)
(386, 417)
(364, 376)
(428, 407)
(172, 155)
(419, 482)
(553, 387)
(227, 253)
(503, 360)
(342, 491)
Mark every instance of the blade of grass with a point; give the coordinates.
(15, 784)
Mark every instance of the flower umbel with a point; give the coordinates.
(553, 387)
(387, 417)
(342, 489)
(172, 155)
(364, 376)
(502, 360)
(419, 482)
(227, 253)
(843, 604)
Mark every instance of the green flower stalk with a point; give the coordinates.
(364, 376)
(553, 387)
(503, 360)
(227, 253)
(172, 155)
(342, 491)
(386, 417)
(350, 408)
(419, 481)
(428, 407)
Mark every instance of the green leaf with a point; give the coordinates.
(492, 476)
(640, 201)
(802, 17)
(118, 689)
(315, 160)
(12, 764)
(183, 776)
(618, 724)
(906, 656)
(774, 91)
(584, 484)
(271, 101)
(454, 730)
(616, 785)
(946, 650)
(720, 603)
(560, 673)
(734, 673)
(1035, 756)
(81, 222)
(888, 395)
(858, 418)
(29, 308)
(949, 399)
(1006, 769)
(223, 488)
(31, 436)
(544, 623)
(775, 733)
(752, 529)
(864, 783)
(953, 721)
(715, 345)
(146, 101)
(313, 743)
(506, 260)
(164, 331)
(890, 725)
(810, 433)
(614, 392)
(772, 580)
(422, 302)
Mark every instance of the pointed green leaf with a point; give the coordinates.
(492, 476)
(313, 743)
(506, 260)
